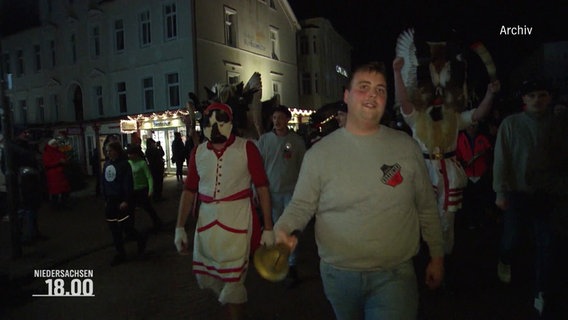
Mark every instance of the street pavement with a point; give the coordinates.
(160, 285)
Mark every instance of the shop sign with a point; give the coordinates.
(162, 123)
(128, 126)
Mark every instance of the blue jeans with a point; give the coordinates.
(371, 295)
(534, 211)
(279, 203)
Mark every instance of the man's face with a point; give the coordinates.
(537, 101)
(367, 97)
(217, 126)
(280, 120)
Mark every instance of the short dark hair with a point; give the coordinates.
(373, 66)
(116, 146)
(284, 110)
(133, 149)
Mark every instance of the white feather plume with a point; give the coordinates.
(406, 49)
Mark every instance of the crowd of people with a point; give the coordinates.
(377, 195)
(130, 179)
(38, 175)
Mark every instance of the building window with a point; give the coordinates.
(170, 19)
(316, 83)
(304, 46)
(40, 110)
(37, 58)
(55, 106)
(95, 42)
(276, 88)
(148, 89)
(98, 93)
(119, 35)
(6, 62)
(172, 84)
(233, 78)
(230, 27)
(272, 4)
(274, 43)
(20, 62)
(306, 83)
(23, 112)
(73, 49)
(314, 43)
(145, 30)
(52, 50)
(121, 95)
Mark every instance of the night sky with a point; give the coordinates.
(373, 26)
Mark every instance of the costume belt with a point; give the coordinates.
(439, 156)
(243, 194)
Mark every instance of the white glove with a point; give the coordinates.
(180, 240)
(267, 238)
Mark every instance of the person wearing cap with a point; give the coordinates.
(518, 137)
(143, 183)
(221, 172)
(58, 186)
(282, 152)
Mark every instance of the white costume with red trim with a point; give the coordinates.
(225, 223)
(446, 173)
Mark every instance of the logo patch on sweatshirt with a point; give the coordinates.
(391, 174)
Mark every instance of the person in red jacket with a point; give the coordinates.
(58, 186)
(474, 152)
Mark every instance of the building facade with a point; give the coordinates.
(96, 68)
(324, 63)
(236, 38)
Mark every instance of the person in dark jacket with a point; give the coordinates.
(155, 159)
(29, 186)
(117, 187)
(178, 155)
